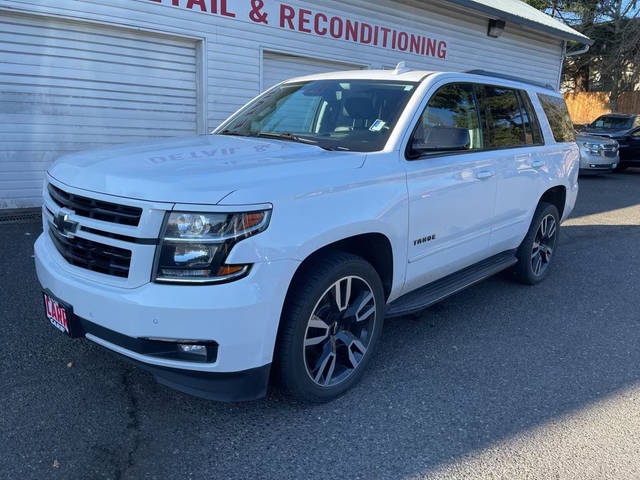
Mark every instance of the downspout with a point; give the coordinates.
(580, 51)
(566, 54)
(562, 57)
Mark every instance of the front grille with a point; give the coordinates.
(91, 255)
(609, 150)
(97, 209)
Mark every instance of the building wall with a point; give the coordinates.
(232, 42)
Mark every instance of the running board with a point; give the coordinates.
(432, 293)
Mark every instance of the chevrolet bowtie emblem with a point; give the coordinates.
(64, 226)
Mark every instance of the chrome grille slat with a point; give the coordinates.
(95, 209)
(94, 256)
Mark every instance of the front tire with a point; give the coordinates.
(329, 328)
(538, 247)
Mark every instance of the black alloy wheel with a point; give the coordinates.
(543, 245)
(538, 248)
(339, 331)
(330, 325)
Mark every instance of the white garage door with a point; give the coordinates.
(68, 86)
(277, 67)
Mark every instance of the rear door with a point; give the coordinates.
(513, 135)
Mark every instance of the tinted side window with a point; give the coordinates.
(532, 131)
(504, 123)
(449, 123)
(557, 113)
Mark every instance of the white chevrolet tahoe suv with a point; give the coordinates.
(275, 247)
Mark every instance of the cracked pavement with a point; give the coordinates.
(500, 381)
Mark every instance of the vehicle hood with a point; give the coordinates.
(604, 132)
(202, 169)
(581, 137)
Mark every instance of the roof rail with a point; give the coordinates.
(511, 77)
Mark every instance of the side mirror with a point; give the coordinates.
(439, 139)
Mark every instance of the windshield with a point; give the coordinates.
(612, 123)
(349, 115)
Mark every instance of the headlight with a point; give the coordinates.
(592, 148)
(194, 246)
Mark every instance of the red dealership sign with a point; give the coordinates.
(323, 24)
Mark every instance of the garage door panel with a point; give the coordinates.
(15, 162)
(92, 86)
(129, 75)
(89, 33)
(53, 120)
(36, 109)
(83, 59)
(24, 103)
(22, 43)
(31, 184)
(277, 67)
(71, 137)
(66, 146)
(68, 86)
(144, 131)
(27, 90)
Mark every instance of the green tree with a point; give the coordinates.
(613, 62)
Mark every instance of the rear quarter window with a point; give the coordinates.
(557, 113)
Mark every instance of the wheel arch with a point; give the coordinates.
(556, 196)
(374, 247)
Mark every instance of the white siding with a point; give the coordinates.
(234, 46)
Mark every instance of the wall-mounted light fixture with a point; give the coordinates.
(496, 27)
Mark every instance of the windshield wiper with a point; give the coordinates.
(286, 136)
(282, 136)
(234, 133)
(295, 138)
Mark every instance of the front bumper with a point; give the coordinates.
(241, 317)
(597, 163)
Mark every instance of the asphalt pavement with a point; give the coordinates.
(501, 381)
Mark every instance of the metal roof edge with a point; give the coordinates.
(497, 13)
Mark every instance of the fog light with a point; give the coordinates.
(193, 349)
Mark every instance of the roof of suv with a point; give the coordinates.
(407, 76)
(416, 76)
(620, 115)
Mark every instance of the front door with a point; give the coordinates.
(452, 187)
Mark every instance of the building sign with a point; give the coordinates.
(322, 24)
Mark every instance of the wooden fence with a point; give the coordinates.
(585, 107)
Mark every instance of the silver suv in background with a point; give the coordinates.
(597, 154)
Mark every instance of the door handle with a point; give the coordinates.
(484, 174)
(537, 163)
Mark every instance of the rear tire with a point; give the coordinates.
(330, 326)
(537, 250)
